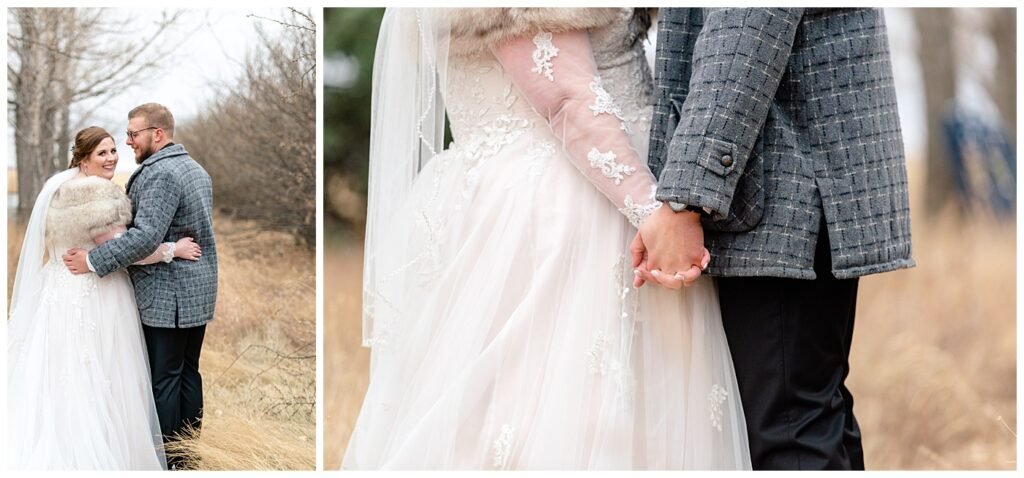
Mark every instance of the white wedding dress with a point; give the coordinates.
(505, 329)
(79, 394)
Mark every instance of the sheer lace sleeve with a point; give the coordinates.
(163, 253)
(556, 73)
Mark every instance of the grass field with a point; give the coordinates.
(933, 361)
(258, 360)
(346, 362)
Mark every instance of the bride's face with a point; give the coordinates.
(102, 160)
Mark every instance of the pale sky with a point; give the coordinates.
(213, 44)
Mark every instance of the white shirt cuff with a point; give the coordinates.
(89, 263)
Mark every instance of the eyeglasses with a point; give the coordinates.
(133, 134)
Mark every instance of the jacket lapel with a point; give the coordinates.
(128, 186)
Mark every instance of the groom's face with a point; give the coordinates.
(142, 143)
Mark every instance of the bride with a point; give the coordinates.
(505, 332)
(79, 393)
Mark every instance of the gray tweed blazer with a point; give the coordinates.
(172, 197)
(777, 120)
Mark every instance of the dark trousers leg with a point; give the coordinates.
(790, 342)
(177, 385)
(166, 349)
(191, 410)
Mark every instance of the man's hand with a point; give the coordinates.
(669, 249)
(75, 261)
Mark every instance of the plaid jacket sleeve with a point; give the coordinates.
(739, 58)
(154, 204)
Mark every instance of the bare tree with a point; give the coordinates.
(1003, 87)
(258, 141)
(938, 68)
(58, 57)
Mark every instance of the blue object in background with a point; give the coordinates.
(983, 162)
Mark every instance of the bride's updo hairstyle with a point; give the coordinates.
(86, 142)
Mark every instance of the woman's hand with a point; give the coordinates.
(669, 249)
(186, 248)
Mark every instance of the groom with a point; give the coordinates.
(777, 145)
(172, 197)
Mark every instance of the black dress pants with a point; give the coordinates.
(177, 384)
(790, 343)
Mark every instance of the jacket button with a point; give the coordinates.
(726, 160)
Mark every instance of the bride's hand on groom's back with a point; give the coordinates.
(186, 248)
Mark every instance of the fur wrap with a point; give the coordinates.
(475, 30)
(85, 208)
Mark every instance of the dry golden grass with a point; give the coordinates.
(346, 362)
(258, 360)
(934, 353)
(933, 361)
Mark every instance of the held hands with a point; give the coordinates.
(669, 249)
(75, 261)
(186, 248)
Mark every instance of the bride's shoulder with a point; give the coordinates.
(81, 191)
(86, 207)
(477, 29)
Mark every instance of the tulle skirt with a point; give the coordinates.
(78, 391)
(506, 333)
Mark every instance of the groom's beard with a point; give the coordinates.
(144, 155)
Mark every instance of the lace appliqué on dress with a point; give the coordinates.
(487, 140)
(716, 398)
(539, 154)
(63, 280)
(503, 446)
(483, 125)
(543, 54)
(609, 168)
(603, 360)
(622, 281)
(55, 292)
(598, 360)
(603, 103)
(608, 355)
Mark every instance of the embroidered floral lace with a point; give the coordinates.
(557, 75)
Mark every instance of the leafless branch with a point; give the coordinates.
(59, 57)
(286, 24)
(267, 120)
